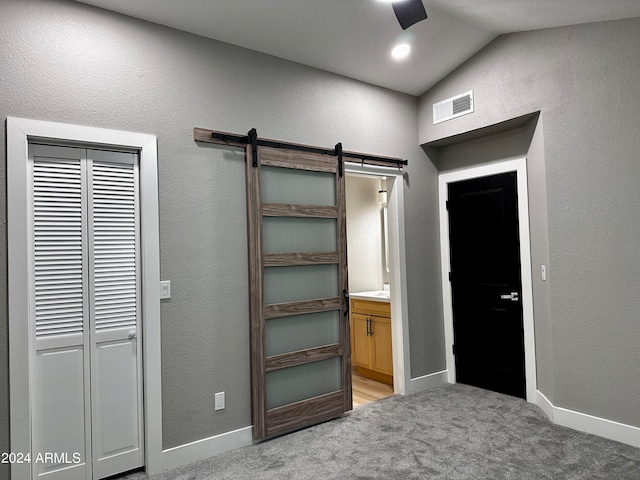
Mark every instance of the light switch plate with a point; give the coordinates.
(219, 401)
(165, 289)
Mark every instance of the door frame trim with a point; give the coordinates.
(520, 167)
(397, 272)
(19, 132)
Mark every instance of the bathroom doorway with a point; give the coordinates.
(369, 286)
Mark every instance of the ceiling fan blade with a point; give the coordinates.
(409, 12)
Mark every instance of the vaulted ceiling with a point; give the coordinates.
(354, 37)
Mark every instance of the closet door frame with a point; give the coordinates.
(21, 367)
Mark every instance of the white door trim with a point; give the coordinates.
(19, 133)
(397, 272)
(520, 167)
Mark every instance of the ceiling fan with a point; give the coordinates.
(408, 12)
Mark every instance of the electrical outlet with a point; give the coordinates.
(544, 273)
(219, 401)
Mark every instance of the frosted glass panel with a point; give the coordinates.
(290, 334)
(291, 284)
(284, 234)
(293, 384)
(284, 185)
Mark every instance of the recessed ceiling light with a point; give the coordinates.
(401, 51)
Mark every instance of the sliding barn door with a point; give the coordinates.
(300, 359)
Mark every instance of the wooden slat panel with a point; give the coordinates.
(291, 210)
(204, 135)
(254, 227)
(288, 309)
(302, 357)
(291, 259)
(275, 157)
(305, 413)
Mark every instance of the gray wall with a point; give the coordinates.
(68, 62)
(424, 288)
(584, 81)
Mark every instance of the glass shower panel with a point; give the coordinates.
(292, 284)
(300, 332)
(286, 234)
(294, 384)
(302, 187)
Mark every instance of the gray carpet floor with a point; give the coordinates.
(449, 432)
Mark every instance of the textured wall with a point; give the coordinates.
(68, 62)
(584, 80)
(365, 244)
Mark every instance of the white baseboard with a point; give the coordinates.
(202, 449)
(425, 382)
(582, 422)
(602, 427)
(544, 403)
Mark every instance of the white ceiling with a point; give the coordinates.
(354, 37)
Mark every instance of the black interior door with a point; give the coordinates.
(486, 283)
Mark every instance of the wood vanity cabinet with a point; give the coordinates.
(371, 340)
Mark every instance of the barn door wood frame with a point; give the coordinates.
(277, 413)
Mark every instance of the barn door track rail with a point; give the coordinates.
(237, 140)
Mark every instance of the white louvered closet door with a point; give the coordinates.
(115, 303)
(85, 313)
(60, 314)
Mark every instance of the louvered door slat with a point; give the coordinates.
(49, 281)
(58, 269)
(58, 297)
(114, 227)
(116, 259)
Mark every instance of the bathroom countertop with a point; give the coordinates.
(374, 295)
